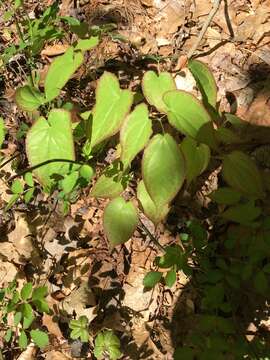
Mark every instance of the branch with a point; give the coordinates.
(204, 28)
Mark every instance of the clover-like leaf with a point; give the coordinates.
(107, 342)
(120, 220)
(205, 81)
(60, 71)
(154, 86)
(163, 169)
(48, 140)
(112, 106)
(29, 98)
(242, 174)
(154, 213)
(134, 134)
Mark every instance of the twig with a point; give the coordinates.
(151, 236)
(204, 28)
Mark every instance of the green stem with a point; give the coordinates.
(151, 236)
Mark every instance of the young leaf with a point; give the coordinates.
(87, 44)
(196, 156)
(205, 81)
(27, 321)
(23, 341)
(225, 196)
(151, 279)
(47, 140)
(154, 213)
(242, 174)
(60, 71)
(112, 105)
(2, 131)
(26, 310)
(17, 318)
(120, 220)
(40, 338)
(170, 278)
(163, 169)
(28, 178)
(86, 172)
(134, 134)
(39, 293)
(186, 113)
(26, 291)
(155, 86)
(69, 182)
(8, 335)
(29, 195)
(29, 98)
(107, 342)
(17, 187)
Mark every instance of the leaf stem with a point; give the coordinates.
(151, 236)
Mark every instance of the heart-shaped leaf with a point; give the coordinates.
(242, 174)
(60, 71)
(163, 169)
(48, 140)
(205, 82)
(154, 213)
(154, 86)
(135, 134)
(112, 106)
(29, 98)
(120, 221)
(196, 156)
(186, 113)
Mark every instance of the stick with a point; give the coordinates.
(204, 28)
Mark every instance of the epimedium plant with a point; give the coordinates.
(196, 134)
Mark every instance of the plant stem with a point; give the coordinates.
(9, 160)
(204, 28)
(32, 168)
(151, 236)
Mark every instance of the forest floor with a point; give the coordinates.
(70, 254)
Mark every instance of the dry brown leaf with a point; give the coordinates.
(148, 3)
(52, 326)
(54, 50)
(29, 353)
(56, 355)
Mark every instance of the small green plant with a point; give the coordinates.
(79, 329)
(107, 345)
(19, 314)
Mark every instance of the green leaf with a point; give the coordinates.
(69, 182)
(79, 329)
(163, 169)
(17, 4)
(40, 338)
(29, 195)
(23, 341)
(87, 44)
(107, 342)
(225, 196)
(17, 318)
(154, 213)
(135, 133)
(26, 310)
(42, 306)
(60, 71)
(155, 86)
(242, 174)
(17, 187)
(120, 221)
(86, 172)
(151, 279)
(12, 201)
(197, 158)
(47, 140)
(27, 321)
(2, 131)
(112, 106)
(205, 81)
(110, 184)
(29, 98)
(39, 293)
(170, 278)
(227, 136)
(26, 291)
(187, 114)
(242, 213)
(28, 178)
(8, 335)
(173, 256)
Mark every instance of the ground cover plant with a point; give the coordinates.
(165, 141)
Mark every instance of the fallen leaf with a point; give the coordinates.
(56, 355)
(54, 50)
(29, 353)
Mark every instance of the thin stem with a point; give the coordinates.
(204, 28)
(9, 160)
(32, 168)
(151, 236)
